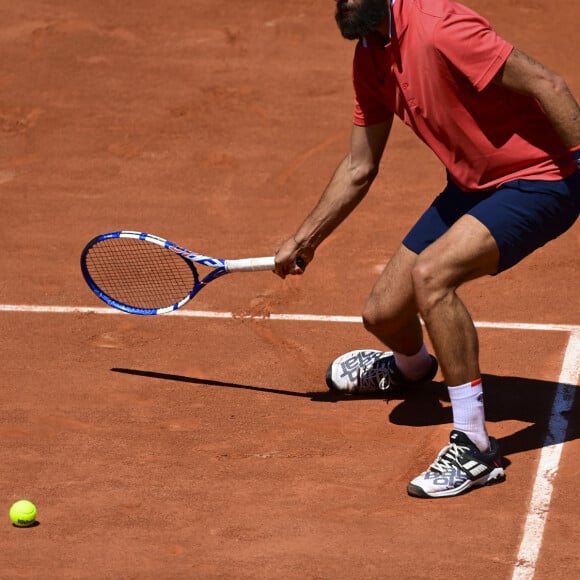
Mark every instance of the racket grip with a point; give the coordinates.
(257, 264)
(250, 264)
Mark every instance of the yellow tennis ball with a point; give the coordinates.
(23, 513)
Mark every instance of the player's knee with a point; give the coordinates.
(370, 315)
(429, 282)
(377, 318)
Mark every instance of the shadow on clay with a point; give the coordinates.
(507, 398)
(208, 382)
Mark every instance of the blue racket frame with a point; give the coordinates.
(220, 268)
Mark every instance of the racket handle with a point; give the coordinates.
(250, 264)
(257, 264)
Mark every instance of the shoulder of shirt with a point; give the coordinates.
(438, 8)
(446, 15)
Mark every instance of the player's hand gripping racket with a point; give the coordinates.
(144, 274)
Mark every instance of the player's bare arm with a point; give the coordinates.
(523, 74)
(348, 186)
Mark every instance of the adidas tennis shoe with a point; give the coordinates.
(459, 467)
(370, 371)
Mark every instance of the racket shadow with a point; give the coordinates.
(209, 382)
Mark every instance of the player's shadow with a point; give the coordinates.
(507, 398)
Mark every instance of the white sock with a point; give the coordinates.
(469, 413)
(415, 366)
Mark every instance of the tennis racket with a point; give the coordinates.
(140, 273)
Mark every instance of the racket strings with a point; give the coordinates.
(140, 274)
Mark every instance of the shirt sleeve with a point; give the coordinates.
(370, 106)
(467, 41)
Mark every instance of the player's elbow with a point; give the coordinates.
(559, 85)
(362, 175)
(552, 84)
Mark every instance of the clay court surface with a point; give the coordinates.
(206, 445)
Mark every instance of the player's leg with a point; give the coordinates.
(391, 311)
(498, 232)
(467, 251)
(391, 315)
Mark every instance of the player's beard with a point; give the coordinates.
(359, 18)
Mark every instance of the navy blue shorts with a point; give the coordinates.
(521, 215)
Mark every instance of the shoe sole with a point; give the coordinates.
(493, 478)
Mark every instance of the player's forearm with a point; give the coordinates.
(344, 192)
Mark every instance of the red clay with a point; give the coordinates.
(165, 447)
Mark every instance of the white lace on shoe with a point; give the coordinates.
(448, 458)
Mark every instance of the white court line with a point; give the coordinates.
(291, 317)
(525, 566)
(549, 462)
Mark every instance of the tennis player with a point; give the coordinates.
(507, 130)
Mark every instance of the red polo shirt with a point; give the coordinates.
(435, 74)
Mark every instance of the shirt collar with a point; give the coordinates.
(393, 27)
